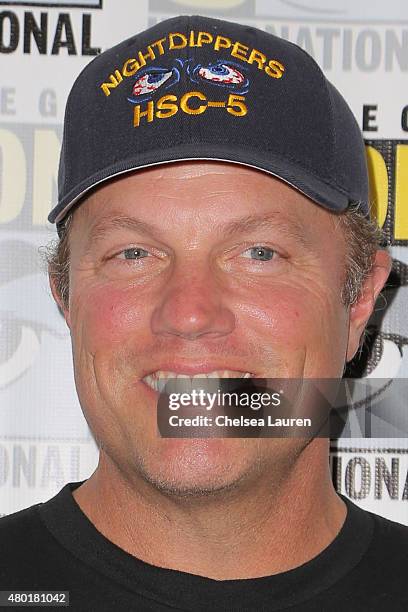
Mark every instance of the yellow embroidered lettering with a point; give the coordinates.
(258, 57)
(177, 36)
(130, 67)
(149, 55)
(193, 111)
(159, 44)
(275, 69)
(236, 106)
(164, 107)
(237, 49)
(222, 42)
(204, 38)
(217, 104)
(115, 79)
(192, 42)
(138, 114)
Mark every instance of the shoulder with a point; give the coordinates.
(390, 537)
(383, 531)
(30, 555)
(26, 527)
(381, 571)
(381, 544)
(388, 529)
(18, 525)
(23, 535)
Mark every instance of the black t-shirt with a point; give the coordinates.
(54, 547)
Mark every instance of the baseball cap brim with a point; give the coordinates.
(333, 199)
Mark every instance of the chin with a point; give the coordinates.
(197, 467)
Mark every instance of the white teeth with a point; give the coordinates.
(157, 380)
(152, 382)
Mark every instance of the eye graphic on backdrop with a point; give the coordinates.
(151, 80)
(20, 350)
(222, 73)
(317, 6)
(24, 324)
(216, 4)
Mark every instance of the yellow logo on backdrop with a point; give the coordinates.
(382, 177)
(401, 193)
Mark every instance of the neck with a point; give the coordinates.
(250, 532)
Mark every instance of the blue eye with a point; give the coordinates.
(134, 253)
(260, 253)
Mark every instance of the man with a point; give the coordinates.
(251, 255)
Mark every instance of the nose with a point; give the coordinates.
(193, 306)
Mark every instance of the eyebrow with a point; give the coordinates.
(109, 223)
(289, 228)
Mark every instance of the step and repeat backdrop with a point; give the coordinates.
(363, 49)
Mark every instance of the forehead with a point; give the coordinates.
(198, 187)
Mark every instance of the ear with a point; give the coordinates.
(361, 311)
(62, 308)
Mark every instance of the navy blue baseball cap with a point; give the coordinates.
(193, 87)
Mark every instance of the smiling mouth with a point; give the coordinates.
(158, 380)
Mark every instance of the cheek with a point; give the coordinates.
(274, 320)
(294, 316)
(109, 316)
(276, 313)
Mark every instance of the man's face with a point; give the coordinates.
(207, 267)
